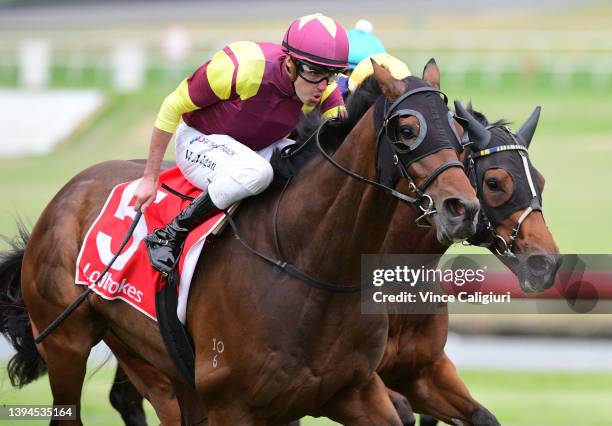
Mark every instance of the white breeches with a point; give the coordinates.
(229, 170)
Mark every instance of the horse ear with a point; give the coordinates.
(391, 87)
(431, 73)
(479, 135)
(525, 133)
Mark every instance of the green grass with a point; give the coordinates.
(96, 408)
(544, 399)
(516, 398)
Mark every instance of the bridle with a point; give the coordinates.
(421, 200)
(497, 243)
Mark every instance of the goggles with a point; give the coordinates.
(314, 74)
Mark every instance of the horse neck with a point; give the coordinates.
(329, 219)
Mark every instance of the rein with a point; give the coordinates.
(287, 267)
(422, 200)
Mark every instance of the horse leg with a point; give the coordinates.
(65, 352)
(439, 391)
(366, 405)
(426, 420)
(127, 400)
(141, 379)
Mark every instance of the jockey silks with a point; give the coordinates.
(243, 92)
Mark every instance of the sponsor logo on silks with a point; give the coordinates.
(113, 288)
(200, 138)
(223, 148)
(213, 145)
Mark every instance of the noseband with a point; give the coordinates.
(498, 243)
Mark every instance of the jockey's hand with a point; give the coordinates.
(145, 193)
(342, 114)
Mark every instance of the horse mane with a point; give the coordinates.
(331, 137)
(482, 119)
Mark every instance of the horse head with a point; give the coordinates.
(511, 223)
(418, 149)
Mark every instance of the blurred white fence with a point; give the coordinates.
(489, 56)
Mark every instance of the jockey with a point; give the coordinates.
(362, 44)
(236, 108)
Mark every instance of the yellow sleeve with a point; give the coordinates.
(174, 106)
(333, 112)
(306, 109)
(331, 102)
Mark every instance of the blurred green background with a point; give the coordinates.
(556, 58)
(506, 59)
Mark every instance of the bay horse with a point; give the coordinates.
(415, 363)
(290, 349)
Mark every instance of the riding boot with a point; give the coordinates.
(165, 245)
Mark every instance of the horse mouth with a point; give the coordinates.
(452, 231)
(443, 238)
(447, 239)
(456, 221)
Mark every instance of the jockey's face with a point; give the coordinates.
(310, 81)
(309, 93)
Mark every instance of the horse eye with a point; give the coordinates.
(406, 132)
(492, 184)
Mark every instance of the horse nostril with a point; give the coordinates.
(461, 209)
(538, 263)
(454, 206)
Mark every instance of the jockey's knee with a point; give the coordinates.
(244, 181)
(255, 174)
(264, 177)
